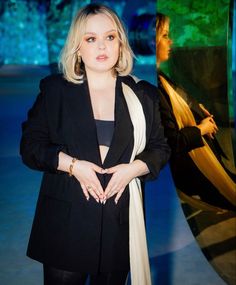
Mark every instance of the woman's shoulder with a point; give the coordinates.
(52, 80)
(55, 85)
(140, 85)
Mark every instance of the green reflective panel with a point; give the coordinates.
(197, 23)
(201, 64)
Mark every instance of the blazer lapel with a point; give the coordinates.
(123, 128)
(83, 128)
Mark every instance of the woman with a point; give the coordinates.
(92, 131)
(196, 160)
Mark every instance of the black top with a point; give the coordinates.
(105, 131)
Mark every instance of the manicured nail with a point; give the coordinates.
(87, 198)
(104, 202)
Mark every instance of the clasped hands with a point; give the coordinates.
(208, 126)
(85, 173)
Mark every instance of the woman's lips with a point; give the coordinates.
(102, 57)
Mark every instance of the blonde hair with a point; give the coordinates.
(160, 22)
(71, 65)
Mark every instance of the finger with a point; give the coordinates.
(86, 194)
(211, 136)
(110, 187)
(98, 169)
(108, 190)
(207, 112)
(92, 193)
(97, 190)
(111, 170)
(212, 120)
(100, 191)
(114, 190)
(118, 195)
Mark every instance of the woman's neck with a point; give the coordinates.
(100, 80)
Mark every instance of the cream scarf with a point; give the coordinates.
(139, 262)
(203, 157)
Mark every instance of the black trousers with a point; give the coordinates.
(53, 276)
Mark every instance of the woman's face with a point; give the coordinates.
(163, 48)
(100, 46)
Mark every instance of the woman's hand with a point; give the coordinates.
(122, 175)
(208, 127)
(85, 173)
(205, 111)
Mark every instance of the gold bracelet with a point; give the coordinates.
(71, 166)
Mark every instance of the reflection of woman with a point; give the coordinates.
(93, 131)
(196, 164)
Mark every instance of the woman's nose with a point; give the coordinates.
(101, 44)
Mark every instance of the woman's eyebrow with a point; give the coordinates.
(92, 33)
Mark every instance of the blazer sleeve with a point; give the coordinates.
(180, 140)
(157, 151)
(37, 150)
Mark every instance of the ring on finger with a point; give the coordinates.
(89, 187)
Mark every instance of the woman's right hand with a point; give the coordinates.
(208, 127)
(85, 173)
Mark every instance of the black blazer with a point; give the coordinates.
(186, 175)
(68, 231)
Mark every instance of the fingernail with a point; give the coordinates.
(116, 201)
(97, 200)
(87, 198)
(104, 202)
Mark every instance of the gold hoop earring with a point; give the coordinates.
(120, 55)
(77, 65)
(119, 59)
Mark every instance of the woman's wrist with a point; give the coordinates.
(71, 167)
(67, 163)
(140, 168)
(201, 128)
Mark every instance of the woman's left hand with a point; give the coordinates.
(122, 174)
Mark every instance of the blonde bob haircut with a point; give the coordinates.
(160, 23)
(71, 65)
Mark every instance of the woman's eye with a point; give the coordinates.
(110, 37)
(90, 39)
